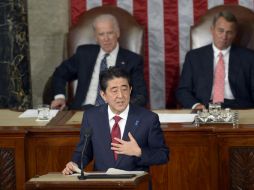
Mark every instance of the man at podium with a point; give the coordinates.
(124, 136)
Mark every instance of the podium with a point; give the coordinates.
(58, 181)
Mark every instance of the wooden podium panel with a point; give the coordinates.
(49, 151)
(12, 159)
(57, 181)
(193, 160)
(236, 160)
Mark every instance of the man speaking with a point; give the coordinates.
(124, 136)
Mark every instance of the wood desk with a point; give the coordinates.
(207, 158)
(20, 159)
(57, 181)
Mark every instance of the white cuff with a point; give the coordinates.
(59, 96)
(193, 107)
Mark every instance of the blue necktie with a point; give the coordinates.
(103, 67)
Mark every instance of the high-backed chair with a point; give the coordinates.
(200, 33)
(131, 35)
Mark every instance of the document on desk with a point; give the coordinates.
(110, 171)
(34, 113)
(118, 171)
(176, 118)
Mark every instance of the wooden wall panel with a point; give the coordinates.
(236, 153)
(49, 153)
(192, 161)
(12, 159)
(241, 164)
(7, 168)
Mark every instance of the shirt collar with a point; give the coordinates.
(217, 51)
(112, 53)
(123, 115)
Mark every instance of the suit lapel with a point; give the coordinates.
(233, 69)
(131, 124)
(120, 60)
(104, 124)
(105, 135)
(88, 66)
(209, 71)
(85, 72)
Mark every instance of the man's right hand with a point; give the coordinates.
(59, 103)
(70, 168)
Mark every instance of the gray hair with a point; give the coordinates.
(227, 15)
(107, 17)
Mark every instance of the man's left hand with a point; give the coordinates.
(130, 148)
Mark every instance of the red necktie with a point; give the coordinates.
(219, 81)
(116, 132)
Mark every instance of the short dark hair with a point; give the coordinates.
(111, 73)
(227, 15)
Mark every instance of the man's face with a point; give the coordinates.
(223, 33)
(117, 94)
(106, 35)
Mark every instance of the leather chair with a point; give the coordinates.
(200, 33)
(131, 38)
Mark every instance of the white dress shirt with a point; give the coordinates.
(227, 90)
(122, 122)
(93, 87)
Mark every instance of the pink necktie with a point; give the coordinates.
(219, 81)
(116, 132)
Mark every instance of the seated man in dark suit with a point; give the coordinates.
(138, 141)
(89, 60)
(220, 72)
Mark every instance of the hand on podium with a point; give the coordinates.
(71, 168)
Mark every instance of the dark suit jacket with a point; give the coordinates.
(81, 65)
(196, 80)
(144, 125)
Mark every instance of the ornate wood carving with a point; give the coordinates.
(241, 168)
(7, 169)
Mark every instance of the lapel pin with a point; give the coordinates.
(136, 123)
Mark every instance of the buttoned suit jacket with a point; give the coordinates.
(81, 66)
(144, 125)
(196, 81)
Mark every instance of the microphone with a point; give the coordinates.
(87, 136)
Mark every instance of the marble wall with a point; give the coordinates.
(48, 25)
(15, 86)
